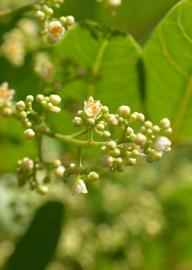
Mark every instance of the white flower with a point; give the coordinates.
(162, 144)
(14, 51)
(92, 108)
(6, 94)
(43, 66)
(79, 187)
(55, 30)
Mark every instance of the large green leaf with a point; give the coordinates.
(110, 59)
(37, 246)
(168, 59)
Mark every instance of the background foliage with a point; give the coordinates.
(142, 218)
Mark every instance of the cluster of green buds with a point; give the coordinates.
(123, 138)
(6, 98)
(53, 28)
(137, 137)
(33, 120)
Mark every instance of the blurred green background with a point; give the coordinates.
(140, 220)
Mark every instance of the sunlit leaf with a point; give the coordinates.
(168, 56)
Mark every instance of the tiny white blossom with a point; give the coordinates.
(55, 99)
(55, 30)
(14, 51)
(6, 94)
(29, 134)
(59, 171)
(92, 108)
(79, 187)
(162, 144)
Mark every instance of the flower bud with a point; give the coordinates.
(40, 15)
(100, 126)
(59, 171)
(70, 20)
(79, 187)
(165, 123)
(40, 98)
(20, 106)
(112, 120)
(26, 164)
(130, 161)
(93, 176)
(29, 134)
(124, 111)
(106, 134)
(29, 98)
(148, 124)
(112, 145)
(55, 109)
(77, 121)
(91, 121)
(140, 139)
(129, 131)
(55, 99)
(41, 189)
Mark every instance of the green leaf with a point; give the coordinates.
(36, 248)
(109, 59)
(167, 57)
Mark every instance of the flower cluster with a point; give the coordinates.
(53, 28)
(44, 68)
(19, 40)
(6, 97)
(123, 138)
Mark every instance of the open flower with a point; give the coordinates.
(6, 94)
(162, 144)
(79, 187)
(55, 30)
(14, 51)
(92, 108)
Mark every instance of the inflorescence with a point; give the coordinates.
(123, 138)
(53, 28)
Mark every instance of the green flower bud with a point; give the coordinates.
(148, 124)
(111, 145)
(124, 111)
(165, 123)
(106, 134)
(93, 176)
(91, 121)
(130, 161)
(29, 134)
(20, 106)
(77, 121)
(55, 99)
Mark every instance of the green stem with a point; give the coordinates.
(79, 133)
(70, 140)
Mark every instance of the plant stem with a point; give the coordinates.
(70, 140)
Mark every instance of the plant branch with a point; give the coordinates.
(71, 140)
